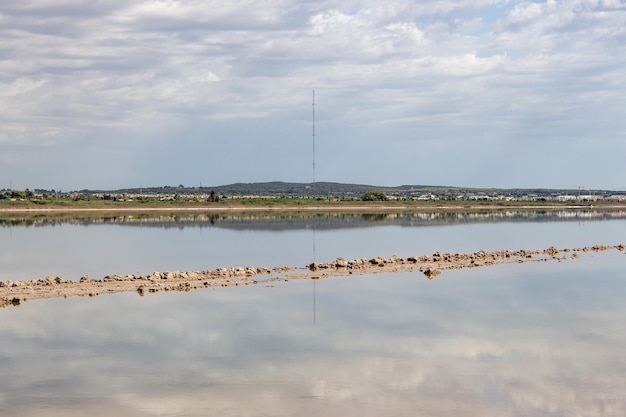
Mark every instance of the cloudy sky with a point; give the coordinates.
(486, 93)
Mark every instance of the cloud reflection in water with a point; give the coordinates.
(535, 339)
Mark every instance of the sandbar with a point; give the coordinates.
(16, 293)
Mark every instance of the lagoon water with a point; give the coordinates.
(535, 339)
(34, 247)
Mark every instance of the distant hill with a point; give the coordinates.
(290, 189)
(333, 189)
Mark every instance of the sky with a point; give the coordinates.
(474, 93)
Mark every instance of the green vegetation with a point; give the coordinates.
(294, 196)
(374, 196)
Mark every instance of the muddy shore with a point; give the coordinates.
(15, 293)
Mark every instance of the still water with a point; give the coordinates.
(536, 339)
(34, 247)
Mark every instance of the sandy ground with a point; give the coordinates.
(15, 293)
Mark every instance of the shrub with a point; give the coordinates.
(374, 196)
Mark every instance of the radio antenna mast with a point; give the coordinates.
(314, 136)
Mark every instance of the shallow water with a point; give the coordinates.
(40, 246)
(536, 339)
(539, 339)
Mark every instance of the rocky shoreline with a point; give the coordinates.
(15, 293)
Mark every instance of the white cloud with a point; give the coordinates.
(408, 30)
(20, 86)
(467, 64)
(86, 67)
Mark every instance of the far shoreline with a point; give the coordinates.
(300, 207)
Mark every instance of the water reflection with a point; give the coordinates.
(305, 220)
(532, 340)
(35, 246)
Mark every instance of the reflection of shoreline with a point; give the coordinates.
(304, 220)
(14, 293)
